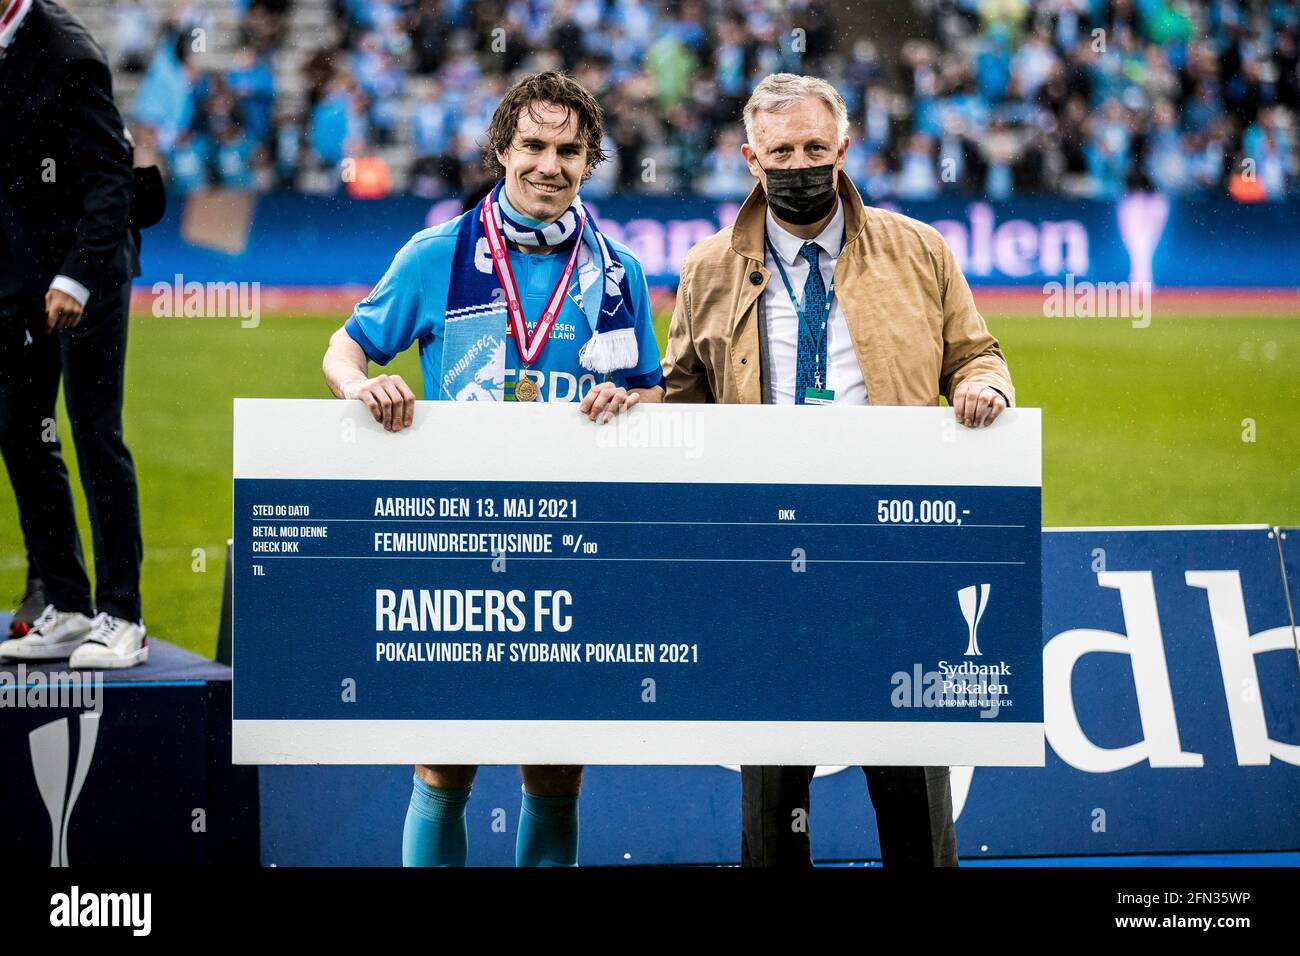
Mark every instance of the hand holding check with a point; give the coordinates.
(977, 405)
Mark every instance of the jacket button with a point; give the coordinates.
(756, 278)
(743, 360)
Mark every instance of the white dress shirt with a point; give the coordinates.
(843, 374)
(9, 23)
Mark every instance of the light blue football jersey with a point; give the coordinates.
(408, 305)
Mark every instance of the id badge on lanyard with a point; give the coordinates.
(817, 393)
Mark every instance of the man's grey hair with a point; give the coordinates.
(781, 91)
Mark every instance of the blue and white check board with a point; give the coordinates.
(684, 585)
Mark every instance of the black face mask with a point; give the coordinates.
(801, 196)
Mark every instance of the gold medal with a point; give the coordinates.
(526, 389)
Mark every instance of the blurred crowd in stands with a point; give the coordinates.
(1078, 98)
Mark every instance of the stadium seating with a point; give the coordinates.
(1080, 98)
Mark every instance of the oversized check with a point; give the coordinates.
(686, 584)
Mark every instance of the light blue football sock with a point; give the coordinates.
(435, 833)
(548, 831)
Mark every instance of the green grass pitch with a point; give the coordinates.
(1141, 426)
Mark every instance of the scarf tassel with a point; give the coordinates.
(609, 351)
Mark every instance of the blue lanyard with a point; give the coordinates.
(805, 321)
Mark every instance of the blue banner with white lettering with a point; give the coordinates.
(289, 239)
(1289, 546)
(1173, 701)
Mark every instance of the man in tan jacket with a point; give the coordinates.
(885, 318)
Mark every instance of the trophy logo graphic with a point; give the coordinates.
(973, 601)
(51, 765)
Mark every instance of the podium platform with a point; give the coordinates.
(123, 767)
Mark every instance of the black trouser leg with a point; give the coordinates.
(29, 389)
(94, 367)
(771, 832)
(913, 815)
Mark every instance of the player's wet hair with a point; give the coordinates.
(549, 87)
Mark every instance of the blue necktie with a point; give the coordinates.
(814, 308)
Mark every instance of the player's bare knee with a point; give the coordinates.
(552, 780)
(446, 776)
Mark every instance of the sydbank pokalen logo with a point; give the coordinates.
(50, 764)
(973, 601)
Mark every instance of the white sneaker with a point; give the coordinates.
(112, 642)
(53, 637)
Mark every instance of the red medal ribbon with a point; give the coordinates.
(528, 349)
(15, 8)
